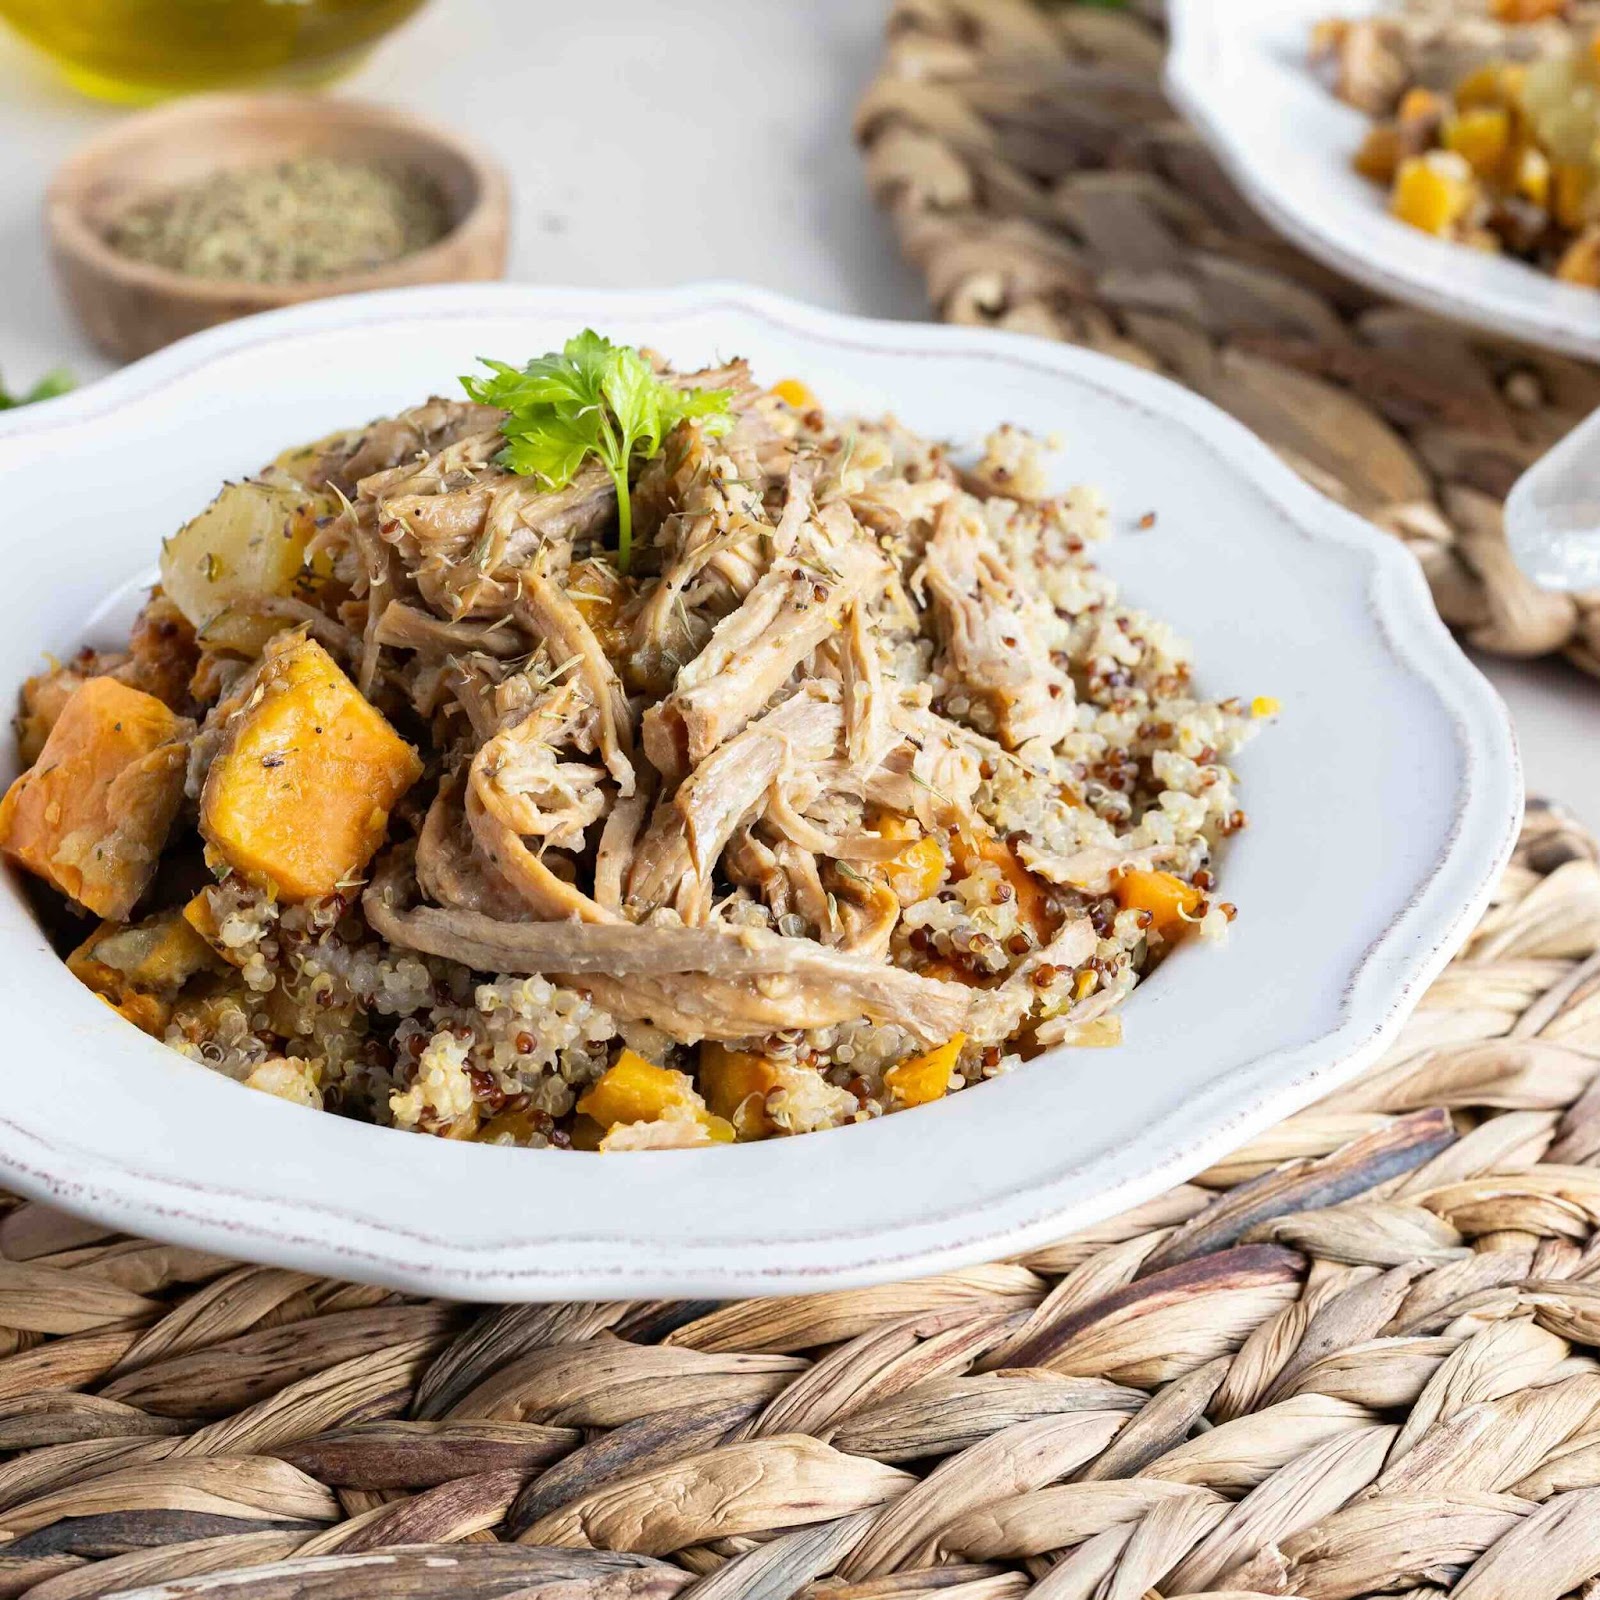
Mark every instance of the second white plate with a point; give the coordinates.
(1240, 73)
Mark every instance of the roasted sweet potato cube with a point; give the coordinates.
(44, 697)
(139, 969)
(926, 1077)
(1170, 901)
(736, 1084)
(299, 796)
(1433, 192)
(91, 815)
(635, 1090)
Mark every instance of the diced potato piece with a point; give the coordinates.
(248, 543)
(736, 1084)
(1482, 138)
(139, 969)
(298, 798)
(1433, 192)
(92, 814)
(925, 1077)
(636, 1090)
(1098, 1033)
(1169, 900)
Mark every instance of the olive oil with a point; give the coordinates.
(142, 50)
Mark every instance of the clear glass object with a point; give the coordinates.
(138, 51)
(1552, 514)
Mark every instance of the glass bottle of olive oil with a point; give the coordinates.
(142, 50)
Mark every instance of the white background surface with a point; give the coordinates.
(648, 143)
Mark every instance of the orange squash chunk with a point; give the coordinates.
(1482, 137)
(917, 871)
(925, 1077)
(795, 394)
(1381, 153)
(736, 1084)
(91, 815)
(138, 970)
(1433, 192)
(1580, 261)
(635, 1090)
(298, 799)
(1169, 900)
(1032, 901)
(1515, 11)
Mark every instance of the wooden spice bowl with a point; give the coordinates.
(130, 308)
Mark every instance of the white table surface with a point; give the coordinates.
(649, 143)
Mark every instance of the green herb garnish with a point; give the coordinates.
(47, 388)
(594, 399)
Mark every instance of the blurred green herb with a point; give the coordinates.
(596, 399)
(47, 388)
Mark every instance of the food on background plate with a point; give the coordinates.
(626, 759)
(1488, 122)
(1371, 60)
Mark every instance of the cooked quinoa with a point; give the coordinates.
(411, 800)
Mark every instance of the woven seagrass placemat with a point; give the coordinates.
(1039, 180)
(1358, 1356)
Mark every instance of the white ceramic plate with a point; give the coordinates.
(1238, 70)
(1385, 802)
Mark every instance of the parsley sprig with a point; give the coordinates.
(47, 388)
(596, 399)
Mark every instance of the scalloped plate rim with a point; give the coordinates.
(1357, 238)
(1377, 994)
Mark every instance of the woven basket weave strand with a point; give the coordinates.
(1359, 1356)
(1040, 182)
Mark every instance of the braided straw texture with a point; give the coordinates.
(1357, 1357)
(1039, 180)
